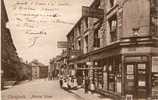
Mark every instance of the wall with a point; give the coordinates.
(136, 13)
(35, 72)
(9, 58)
(43, 71)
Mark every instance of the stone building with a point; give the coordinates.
(115, 44)
(39, 70)
(9, 58)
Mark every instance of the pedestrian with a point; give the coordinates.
(61, 81)
(65, 84)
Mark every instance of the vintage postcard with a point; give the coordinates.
(79, 49)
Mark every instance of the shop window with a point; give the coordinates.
(113, 28)
(111, 78)
(154, 75)
(130, 77)
(96, 39)
(118, 76)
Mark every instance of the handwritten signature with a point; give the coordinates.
(34, 39)
(41, 32)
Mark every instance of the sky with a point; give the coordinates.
(37, 25)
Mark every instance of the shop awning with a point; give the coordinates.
(97, 68)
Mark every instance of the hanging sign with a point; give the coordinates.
(62, 44)
(92, 12)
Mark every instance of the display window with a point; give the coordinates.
(154, 76)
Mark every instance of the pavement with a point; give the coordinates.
(38, 90)
(89, 95)
(43, 89)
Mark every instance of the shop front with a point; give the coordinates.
(126, 69)
(137, 76)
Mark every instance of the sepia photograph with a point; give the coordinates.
(79, 50)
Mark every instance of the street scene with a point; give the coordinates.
(45, 90)
(79, 49)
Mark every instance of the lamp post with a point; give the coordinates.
(90, 67)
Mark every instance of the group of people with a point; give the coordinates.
(69, 82)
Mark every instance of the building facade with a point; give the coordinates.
(35, 72)
(10, 62)
(115, 44)
(39, 70)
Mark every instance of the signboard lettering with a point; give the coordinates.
(62, 44)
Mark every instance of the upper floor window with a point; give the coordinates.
(79, 28)
(111, 3)
(96, 38)
(154, 17)
(79, 45)
(113, 28)
(86, 44)
(86, 22)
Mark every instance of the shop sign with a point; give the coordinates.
(130, 77)
(75, 52)
(136, 59)
(92, 12)
(141, 83)
(130, 69)
(141, 66)
(62, 44)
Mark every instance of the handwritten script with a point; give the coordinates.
(37, 14)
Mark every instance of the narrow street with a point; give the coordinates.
(38, 90)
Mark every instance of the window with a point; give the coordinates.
(112, 3)
(86, 44)
(96, 39)
(79, 28)
(79, 45)
(113, 28)
(154, 75)
(130, 77)
(86, 22)
(154, 17)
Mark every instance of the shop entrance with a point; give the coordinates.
(136, 80)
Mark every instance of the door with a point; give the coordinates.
(141, 80)
(136, 80)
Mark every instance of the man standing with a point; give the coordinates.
(61, 81)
